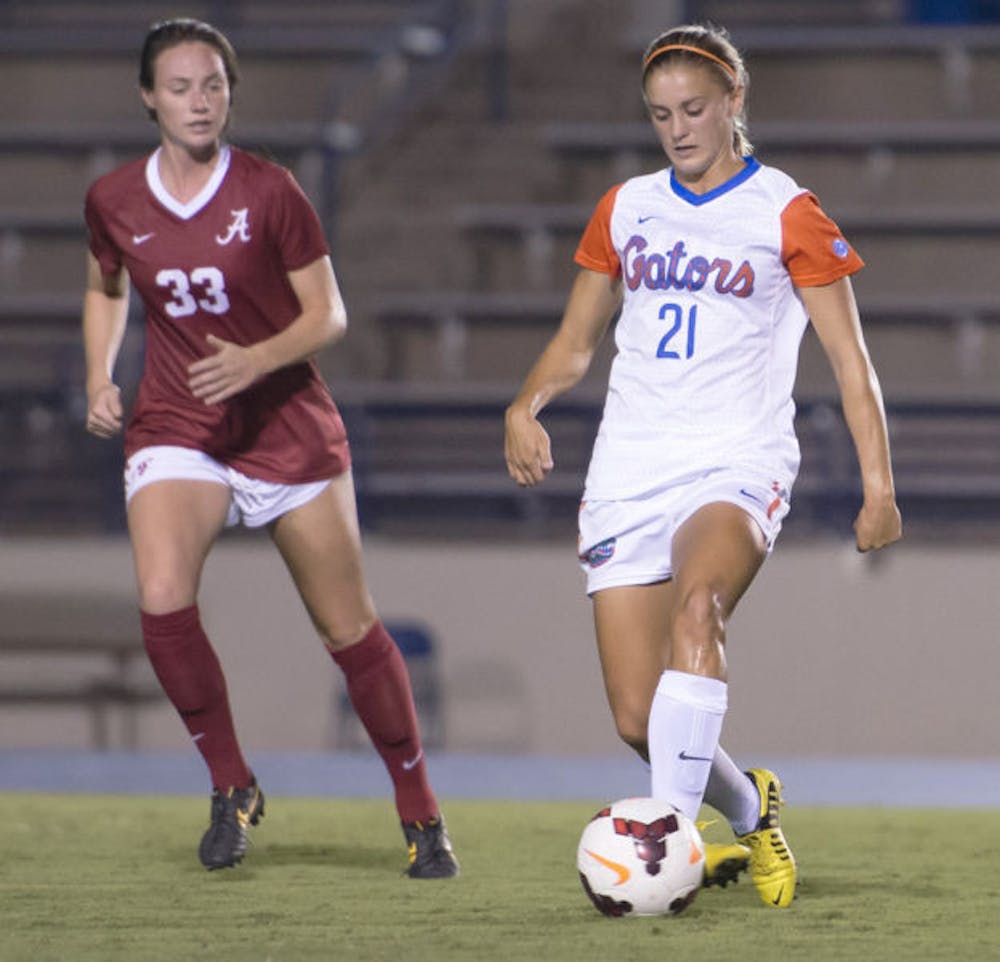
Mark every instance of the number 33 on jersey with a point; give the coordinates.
(206, 280)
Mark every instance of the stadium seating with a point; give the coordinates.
(319, 81)
(82, 655)
(453, 196)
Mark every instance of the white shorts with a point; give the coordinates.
(628, 542)
(254, 503)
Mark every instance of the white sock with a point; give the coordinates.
(730, 792)
(685, 722)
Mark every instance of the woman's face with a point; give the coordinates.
(190, 96)
(693, 115)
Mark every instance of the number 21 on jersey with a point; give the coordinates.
(204, 288)
(671, 344)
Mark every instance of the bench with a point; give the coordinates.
(86, 32)
(313, 150)
(809, 41)
(418, 451)
(582, 139)
(449, 317)
(522, 221)
(46, 639)
(542, 236)
(954, 49)
(627, 148)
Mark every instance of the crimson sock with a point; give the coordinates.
(192, 678)
(379, 688)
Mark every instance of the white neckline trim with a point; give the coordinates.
(188, 210)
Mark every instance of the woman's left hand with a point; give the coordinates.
(878, 524)
(231, 369)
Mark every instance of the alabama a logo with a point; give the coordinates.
(238, 227)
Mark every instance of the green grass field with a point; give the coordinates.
(87, 878)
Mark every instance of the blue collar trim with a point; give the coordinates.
(751, 168)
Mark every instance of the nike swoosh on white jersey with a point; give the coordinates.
(138, 239)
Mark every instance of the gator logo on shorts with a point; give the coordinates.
(600, 553)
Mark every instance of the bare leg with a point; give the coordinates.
(321, 545)
(173, 524)
(715, 554)
(634, 647)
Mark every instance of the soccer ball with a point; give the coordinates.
(640, 856)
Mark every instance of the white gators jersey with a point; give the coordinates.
(710, 327)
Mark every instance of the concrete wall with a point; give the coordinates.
(899, 656)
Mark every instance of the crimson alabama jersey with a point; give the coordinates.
(219, 265)
(710, 327)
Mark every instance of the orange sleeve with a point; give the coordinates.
(597, 251)
(812, 247)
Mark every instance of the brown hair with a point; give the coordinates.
(170, 33)
(709, 46)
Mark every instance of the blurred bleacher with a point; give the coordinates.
(455, 150)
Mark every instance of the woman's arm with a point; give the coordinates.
(322, 321)
(834, 315)
(105, 313)
(592, 303)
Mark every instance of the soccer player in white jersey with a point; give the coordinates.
(233, 422)
(717, 264)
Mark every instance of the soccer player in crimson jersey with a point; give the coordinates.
(717, 264)
(233, 422)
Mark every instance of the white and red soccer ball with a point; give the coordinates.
(640, 856)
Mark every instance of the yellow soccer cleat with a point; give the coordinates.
(772, 866)
(723, 863)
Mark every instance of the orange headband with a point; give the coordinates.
(692, 49)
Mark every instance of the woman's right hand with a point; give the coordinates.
(878, 524)
(104, 410)
(527, 448)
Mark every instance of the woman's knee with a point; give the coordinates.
(159, 594)
(632, 724)
(342, 629)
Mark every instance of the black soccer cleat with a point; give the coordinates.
(431, 855)
(233, 812)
